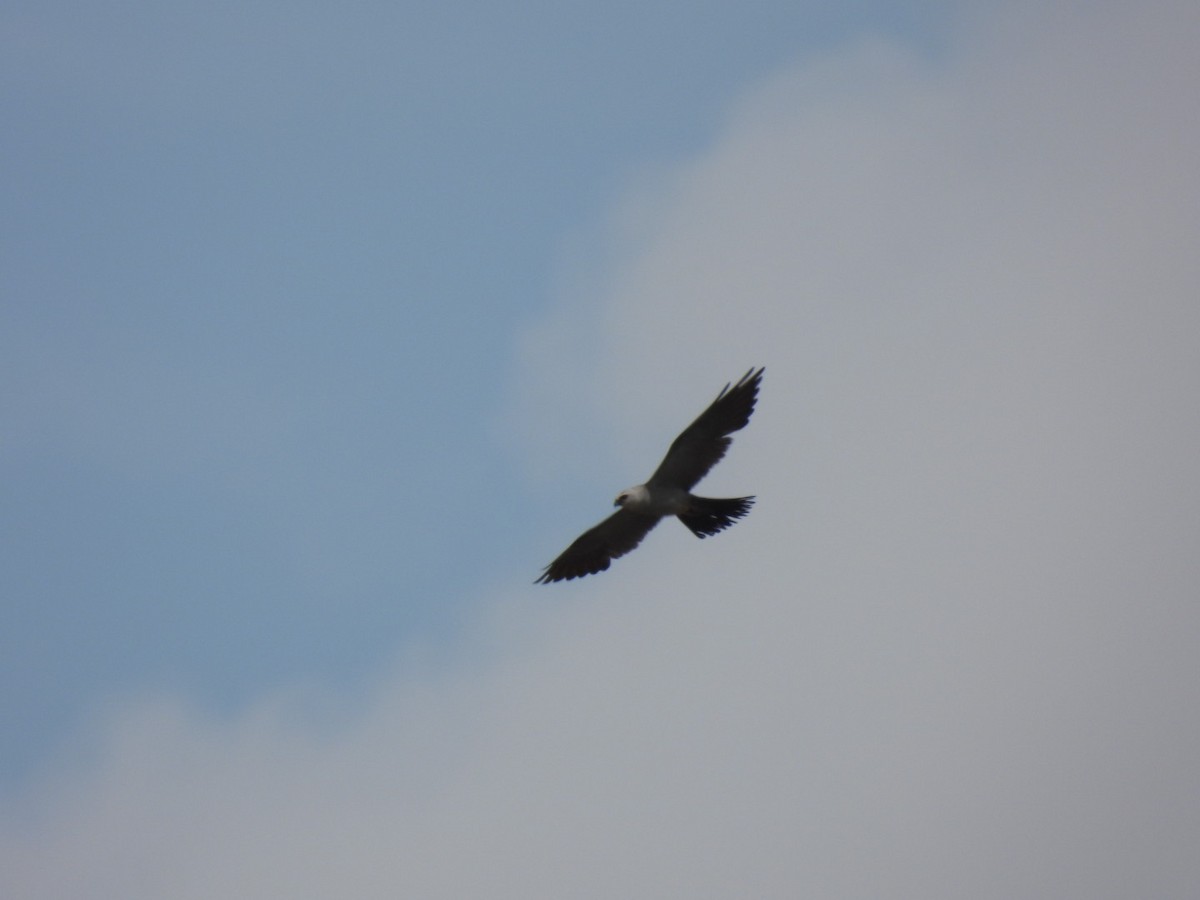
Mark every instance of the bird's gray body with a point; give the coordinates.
(665, 500)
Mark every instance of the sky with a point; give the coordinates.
(322, 331)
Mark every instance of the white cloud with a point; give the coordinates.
(950, 654)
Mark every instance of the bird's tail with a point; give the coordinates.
(707, 516)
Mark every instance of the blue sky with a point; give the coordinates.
(263, 271)
(323, 329)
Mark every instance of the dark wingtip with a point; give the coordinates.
(569, 573)
(752, 376)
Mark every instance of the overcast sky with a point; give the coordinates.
(323, 330)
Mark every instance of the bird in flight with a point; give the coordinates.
(668, 492)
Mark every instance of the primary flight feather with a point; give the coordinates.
(668, 492)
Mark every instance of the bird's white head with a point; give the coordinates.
(633, 498)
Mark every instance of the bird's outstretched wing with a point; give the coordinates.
(704, 442)
(593, 550)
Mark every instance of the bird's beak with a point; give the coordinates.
(617, 502)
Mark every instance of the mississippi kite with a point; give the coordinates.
(668, 492)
